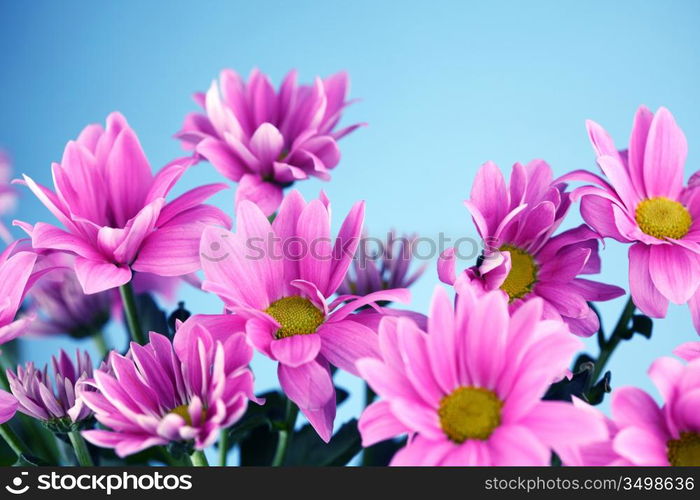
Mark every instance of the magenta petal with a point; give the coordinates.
(517, 446)
(266, 143)
(97, 276)
(296, 350)
(310, 385)
(674, 271)
(641, 447)
(8, 406)
(378, 423)
(344, 342)
(224, 160)
(446, 267)
(665, 373)
(644, 292)
(346, 244)
(321, 419)
(688, 351)
(266, 195)
(664, 156)
(47, 236)
(633, 406)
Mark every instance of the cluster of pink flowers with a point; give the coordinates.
(466, 384)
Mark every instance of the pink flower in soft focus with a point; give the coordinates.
(597, 453)
(53, 398)
(670, 435)
(61, 307)
(469, 391)
(642, 201)
(382, 267)
(280, 277)
(267, 140)
(521, 258)
(16, 278)
(159, 394)
(115, 213)
(8, 195)
(688, 351)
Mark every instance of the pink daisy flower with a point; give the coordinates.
(383, 266)
(642, 201)
(469, 391)
(281, 277)
(521, 258)
(53, 399)
(159, 394)
(266, 140)
(669, 435)
(114, 210)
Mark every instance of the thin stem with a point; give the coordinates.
(285, 434)
(223, 447)
(101, 343)
(13, 440)
(127, 293)
(199, 459)
(81, 450)
(607, 347)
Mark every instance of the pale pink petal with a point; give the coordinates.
(344, 342)
(641, 447)
(664, 156)
(674, 271)
(266, 195)
(644, 292)
(97, 276)
(296, 350)
(633, 406)
(309, 385)
(378, 423)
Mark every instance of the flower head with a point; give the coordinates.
(280, 277)
(114, 211)
(162, 393)
(642, 201)
(384, 269)
(521, 257)
(649, 435)
(53, 399)
(468, 392)
(267, 140)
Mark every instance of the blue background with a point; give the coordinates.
(444, 85)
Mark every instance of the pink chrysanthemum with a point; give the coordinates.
(651, 436)
(521, 258)
(159, 394)
(642, 201)
(469, 391)
(383, 266)
(53, 399)
(280, 277)
(267, 140)
(115, 213)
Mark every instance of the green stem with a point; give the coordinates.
(199, 459)
(101, 343)
(13, 440)
(285, 434)
(607, 347)
(223, 447)
(132, 320)
(81, 450)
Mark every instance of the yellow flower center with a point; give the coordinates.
(296, 315)
(470, 413)
(522, 275)
(663, 218)
(183, 411)
(684, 451)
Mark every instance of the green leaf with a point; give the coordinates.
(310, 450)
(28, 461)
